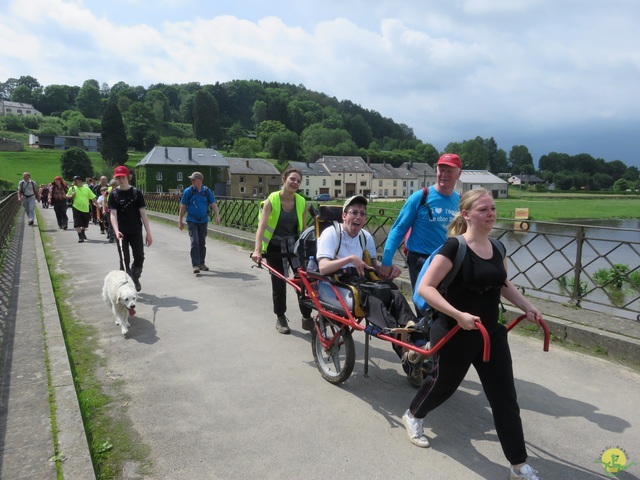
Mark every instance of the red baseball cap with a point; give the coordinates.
(121, 171)
(450, 159)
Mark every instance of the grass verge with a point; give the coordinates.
(113, 442)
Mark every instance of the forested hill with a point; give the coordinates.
(250, 118)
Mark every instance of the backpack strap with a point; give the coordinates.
(361, 236)
(423, 201)
(457, 263)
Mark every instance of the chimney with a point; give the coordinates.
(368, 160)
(384, 163)
(410, 164)
(248, 164)
(166, 152)
(190, 156)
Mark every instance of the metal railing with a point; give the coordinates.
(585, 265)
(9, 207)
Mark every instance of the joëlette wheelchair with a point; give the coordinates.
(340, 313)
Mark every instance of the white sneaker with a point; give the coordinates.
(526, 473)
(415, 430)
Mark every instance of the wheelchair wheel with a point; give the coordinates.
(336, 362)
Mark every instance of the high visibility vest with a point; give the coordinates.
(272, 222)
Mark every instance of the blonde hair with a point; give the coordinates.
(459, 225)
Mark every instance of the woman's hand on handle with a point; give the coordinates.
(468, 321)
(256, 256)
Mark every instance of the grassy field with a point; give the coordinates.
(44, 165)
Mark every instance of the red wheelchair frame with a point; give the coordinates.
(332, 339)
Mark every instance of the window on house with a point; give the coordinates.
(19, 110)
(158, 188)
(179, 176)
(363, 183)
(259, 179)
(8, 110)
(324, 182)
(28, 112)
(395, 183)
(180, 187)
(306, 181)
(255, 191)
(395, 192)
(404, 183)
(159, 176)
(411, 183)
(242, 190)
(260, 190)
(338, 183)
(379, 183)
(241, 179)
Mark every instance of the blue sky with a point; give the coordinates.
(554, 75)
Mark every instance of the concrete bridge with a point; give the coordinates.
(211, 390)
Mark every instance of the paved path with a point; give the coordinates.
(215, 392)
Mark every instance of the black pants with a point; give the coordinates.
(279, 287)
(451, 365)
(415, 261)
(135, 241)
(60, 208)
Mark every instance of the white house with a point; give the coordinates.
(315, 178)
(349, 176)
(17, 108)
(470, 179)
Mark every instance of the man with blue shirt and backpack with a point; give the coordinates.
(427, 213)
(195, 201)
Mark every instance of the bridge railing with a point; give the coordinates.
(586, 265)
(9, 207)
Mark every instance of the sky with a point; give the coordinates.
(553, 75)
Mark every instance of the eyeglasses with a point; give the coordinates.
(355, 213)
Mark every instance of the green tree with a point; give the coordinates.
(89, 100)
(266, 129)
(284, 145)
(205, 117)
(75, 122)
(359, 130)
(138, 123)
(75, 161)
(114, 136)
(519, 156)
(246, 147)
(318, 139)
(55, 99)
(22, 94)
(621, 185)
(158, 103)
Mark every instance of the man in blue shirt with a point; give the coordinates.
(195, 202)
(428, 219)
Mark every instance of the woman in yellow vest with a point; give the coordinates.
(281, 221)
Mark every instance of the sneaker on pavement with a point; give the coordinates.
(30, 222)
(307, 323)
(281, 325)
(415, 430)
(196, 269)
(525, 473)
(204, 268)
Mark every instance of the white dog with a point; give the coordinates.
(119, 292)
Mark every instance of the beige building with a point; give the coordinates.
(424, 172)
(390, 182)
(252, 178)
(349, 176)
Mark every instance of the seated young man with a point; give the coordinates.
(351, 253)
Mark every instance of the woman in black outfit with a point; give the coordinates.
(58, 199)
(469, 300)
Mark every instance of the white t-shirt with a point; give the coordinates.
(328, 242)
